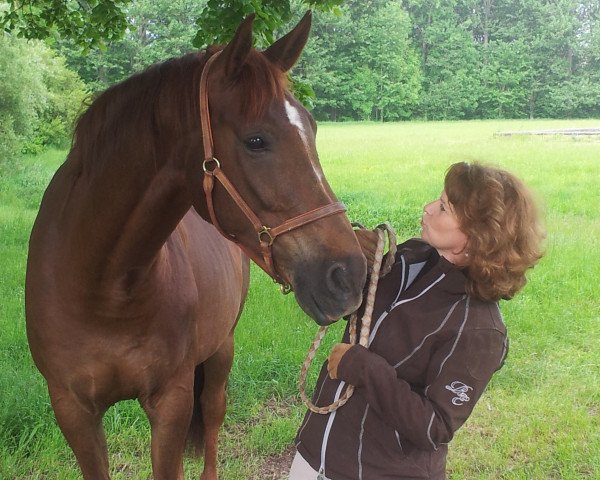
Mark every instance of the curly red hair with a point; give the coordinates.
(498, 214)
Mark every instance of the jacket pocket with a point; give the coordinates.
(384, 446)
(380, 439)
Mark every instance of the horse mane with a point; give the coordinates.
(137, 117)
(260, 82)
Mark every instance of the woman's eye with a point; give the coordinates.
(255, 143)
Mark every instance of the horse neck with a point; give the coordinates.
(136, 191)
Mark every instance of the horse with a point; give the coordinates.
(138, 263)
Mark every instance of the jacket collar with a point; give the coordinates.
(416, 250)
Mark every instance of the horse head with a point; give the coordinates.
(270, 194)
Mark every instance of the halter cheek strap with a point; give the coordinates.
(266, 235)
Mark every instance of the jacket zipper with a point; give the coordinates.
(332, 415)
(338, 392)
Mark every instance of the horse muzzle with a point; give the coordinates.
(329, 289)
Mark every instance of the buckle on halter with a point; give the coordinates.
(265, 231)
(209, 161)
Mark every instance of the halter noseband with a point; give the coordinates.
(266, 235)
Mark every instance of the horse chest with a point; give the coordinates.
(112, 368)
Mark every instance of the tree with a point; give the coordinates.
(63, 94)
(39, 97)
(89, 23)
(163, 29)
(506, 71)
(361, 63)
(588, 60)
(367, 59)
(449, 57)
(544, 47)
(94, 23)
(393, 63)
(576, 89)
(19, 89)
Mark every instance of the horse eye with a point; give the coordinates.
(255, 143)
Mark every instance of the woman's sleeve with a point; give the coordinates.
(428, 416)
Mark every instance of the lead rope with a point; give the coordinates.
(376, 273)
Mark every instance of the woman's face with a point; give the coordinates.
(440, 228)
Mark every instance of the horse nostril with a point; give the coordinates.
(337, 280)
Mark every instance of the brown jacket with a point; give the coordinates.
(433, 350)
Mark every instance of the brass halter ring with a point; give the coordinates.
(212, 161)
(265, 231)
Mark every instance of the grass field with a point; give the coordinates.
(540, 417)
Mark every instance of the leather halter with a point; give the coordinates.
(266, 235)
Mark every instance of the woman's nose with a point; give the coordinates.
(427, 208)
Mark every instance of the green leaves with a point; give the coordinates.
(39, 97)
(96, 23)
(219, 19)
(366, 59)
(89, 23)
(361, 63)
(506, 59)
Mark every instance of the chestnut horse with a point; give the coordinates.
(131, 292)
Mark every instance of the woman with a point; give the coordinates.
(437, 336)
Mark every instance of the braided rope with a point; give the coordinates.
(376, 272)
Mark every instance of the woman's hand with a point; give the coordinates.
(337, 352)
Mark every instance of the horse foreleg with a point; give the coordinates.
(169, 412)
(213, 403)
(82, 427)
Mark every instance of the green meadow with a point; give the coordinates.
(540, 416)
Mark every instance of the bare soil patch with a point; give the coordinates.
(276, 467)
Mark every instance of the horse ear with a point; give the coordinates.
(285, 52)
(235, 53)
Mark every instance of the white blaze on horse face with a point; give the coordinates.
(296, 120)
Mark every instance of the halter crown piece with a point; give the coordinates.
(265, 235)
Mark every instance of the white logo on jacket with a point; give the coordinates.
(459, 389)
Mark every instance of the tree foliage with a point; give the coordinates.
(361, 63)
(163, 29)
(93, 23)
(89, 23)
(507, 58)
(366, 59)
(39, 97)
